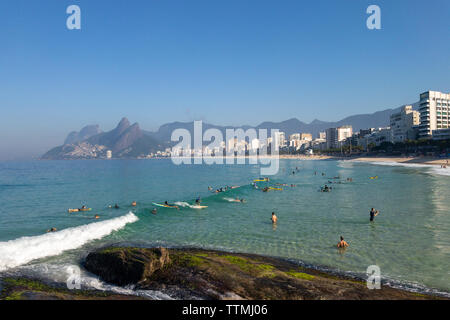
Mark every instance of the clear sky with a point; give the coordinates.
(226, 62)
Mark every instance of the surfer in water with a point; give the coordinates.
(52, 230)
(133, 204)
(171, 205)
(198, 200)
(373, 213)
(342, 244)
(154, 211)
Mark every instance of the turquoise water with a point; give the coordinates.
(409, 240)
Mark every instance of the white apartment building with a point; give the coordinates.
(434, 108)
(334, 136)
(402, 124)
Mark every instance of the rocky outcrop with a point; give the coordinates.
(125, 141)
(123, 266)
(205, 274)
(84, 134)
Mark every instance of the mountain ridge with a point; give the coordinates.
(129, 140)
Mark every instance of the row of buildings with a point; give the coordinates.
(429, 119)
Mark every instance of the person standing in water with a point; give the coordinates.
(342, 243)
(274, 218)
(198, 200)
(373, 213)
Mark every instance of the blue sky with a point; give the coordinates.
(226, 62)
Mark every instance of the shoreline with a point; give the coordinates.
(194, 273)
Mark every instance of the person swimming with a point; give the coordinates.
(97, 217)
(116, 206)
(154, 211)
(274, 218)
(133, 204)
(342, 243)
(373, 213)
(52, 230)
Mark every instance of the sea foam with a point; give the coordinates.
(16, 252)
(434, 169)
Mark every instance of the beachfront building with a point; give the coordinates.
(434, 108)
(281, 137)
(336, 136)
(403, 123)
(441, 134)
(376, 137)
(108, 154)
(298, 141)
(322, 135)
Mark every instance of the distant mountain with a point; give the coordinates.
(124, 141)
(84, 134)
(362, 121)
(130, 141)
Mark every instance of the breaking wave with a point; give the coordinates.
(16, 252)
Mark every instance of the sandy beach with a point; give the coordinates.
(413, 160)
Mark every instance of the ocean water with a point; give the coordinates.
(409, 240)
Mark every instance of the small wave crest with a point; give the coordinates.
(434, 169)
(16, 252)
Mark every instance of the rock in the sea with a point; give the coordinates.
(123, 266)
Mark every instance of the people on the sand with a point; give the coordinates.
(52, 230)
(373, 213)
(342, 243)
(133, 204)
(274, 218)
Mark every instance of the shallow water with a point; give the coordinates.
(409, 240)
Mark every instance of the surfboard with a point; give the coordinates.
(272, 188)
(163, 205)
(79, 210)
(198, 207)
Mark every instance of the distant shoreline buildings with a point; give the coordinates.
(430, 121)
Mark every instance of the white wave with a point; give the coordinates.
(187, 205)
(62, 273)
(435, 169)
(16, 252)
(231, 200)
(183, 204)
